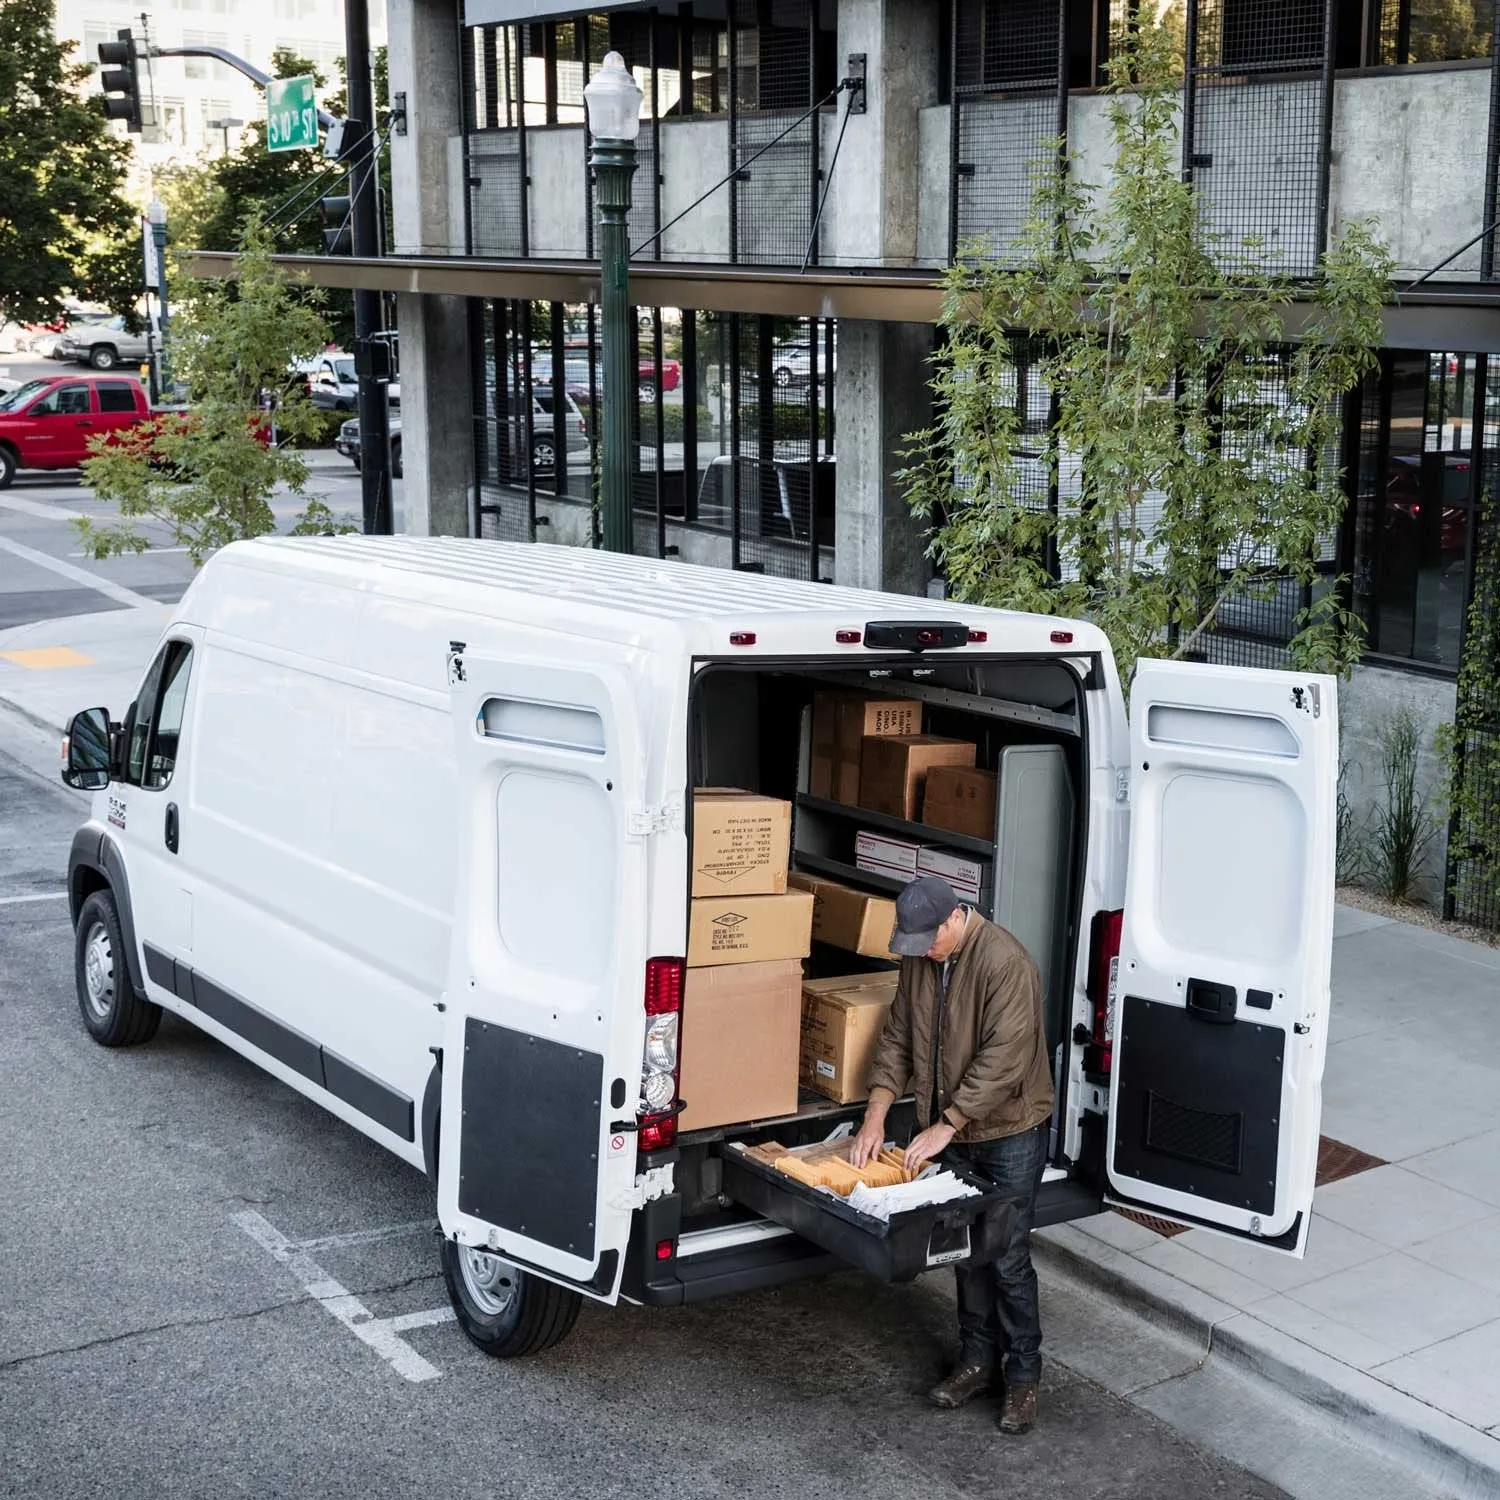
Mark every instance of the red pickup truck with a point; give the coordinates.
(47, 423)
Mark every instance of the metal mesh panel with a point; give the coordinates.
(497, 191)
(773, 198)
(1258, 142)
(505, 427)
(1417, 31)
(1008, 103)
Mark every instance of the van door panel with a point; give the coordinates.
(1226, 948)
(544, 1003)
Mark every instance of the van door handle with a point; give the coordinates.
(171, 828)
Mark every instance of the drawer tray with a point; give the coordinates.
(968, 1229)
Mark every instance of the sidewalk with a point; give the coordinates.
(1390, 1328)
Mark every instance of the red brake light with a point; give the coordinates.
(664, 980)
(847, 637)
(1062, 637)
(741, 637)
(930, 637)
(1104, 959)
(664, 1250)
(978, 637)
(658, 1134)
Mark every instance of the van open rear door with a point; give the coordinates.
(1226, 948)
(540, 1055)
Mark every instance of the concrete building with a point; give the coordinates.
(781, 354)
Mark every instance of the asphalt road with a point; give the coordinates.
(36, 516)
(151, 1345)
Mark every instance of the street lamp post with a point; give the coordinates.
(614, 107)
(225, 125)
(156, 216)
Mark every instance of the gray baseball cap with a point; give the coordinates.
(921, 909)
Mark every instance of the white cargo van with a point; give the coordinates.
(406, 822)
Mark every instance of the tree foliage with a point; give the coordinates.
(1190, 463)
(208, 473)
(65, 226)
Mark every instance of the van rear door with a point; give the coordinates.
(1226, 948)
(544, 1022)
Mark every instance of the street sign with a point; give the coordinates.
(291, 114)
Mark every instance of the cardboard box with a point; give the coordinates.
(841, 1022)
(741, 843)
(841, 722)
(739, 1043)
(749, 929)
(893, 770)
(846, 918)
(885, 854)
(967, 875)
(960, 799)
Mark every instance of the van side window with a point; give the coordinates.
(151, 753)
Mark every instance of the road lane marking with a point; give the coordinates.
(380, 1334)
(43, 896)
(48, 658)
(40, 508)
(118, 592)
(152, 551)
(364, 1236)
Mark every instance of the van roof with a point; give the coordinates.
(475, 575)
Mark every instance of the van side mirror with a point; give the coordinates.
(86, 750)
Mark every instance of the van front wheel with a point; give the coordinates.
(504, 1310)
(114, 1014)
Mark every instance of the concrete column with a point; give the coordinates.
(873, 199)
(872, 218)
(882, 396)
(436, 417)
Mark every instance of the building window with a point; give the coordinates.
(1414, 484)
(1418, 31)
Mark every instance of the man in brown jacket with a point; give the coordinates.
(965, 1036)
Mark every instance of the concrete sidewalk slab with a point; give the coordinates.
(53, 668)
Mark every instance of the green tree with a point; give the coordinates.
(1190, 458)
(208, 473)
(65, 226)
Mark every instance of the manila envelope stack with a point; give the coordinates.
(827, 1166)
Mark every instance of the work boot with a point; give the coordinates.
(961, 1385)
(1019, 1412)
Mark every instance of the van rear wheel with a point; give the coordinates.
(504, 1310)
(112, 1011)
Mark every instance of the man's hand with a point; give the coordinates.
(869, 1142)
(929, 1144)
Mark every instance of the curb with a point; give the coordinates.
(29, 716)
(1440, 1450)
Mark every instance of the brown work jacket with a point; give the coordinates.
(984, 1042)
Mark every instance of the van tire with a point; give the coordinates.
(538, 1315)
(113, 1013)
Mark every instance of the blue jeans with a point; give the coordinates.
(999, 1313)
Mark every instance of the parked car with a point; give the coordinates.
(440, 887)
(333, 384)
(48, 423)
(103, 345)
(576, 356)
(794, 363)
(348, 443)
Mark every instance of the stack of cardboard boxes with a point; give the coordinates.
(747, 937)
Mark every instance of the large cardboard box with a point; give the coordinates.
(841, 1022)
(893, 769)
(960, 799)
(749, 929)
(739, 1043)
(846, 918)
(741, 843)
(841, 722)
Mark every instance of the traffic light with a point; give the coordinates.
(338, 237)
(121, 81)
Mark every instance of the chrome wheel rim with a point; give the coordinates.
(98, 971)
(489, 1280)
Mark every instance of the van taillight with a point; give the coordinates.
(659, 1060)
(1104, 979)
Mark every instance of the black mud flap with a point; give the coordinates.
(970, 1229)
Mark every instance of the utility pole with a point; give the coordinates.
(374, 424)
